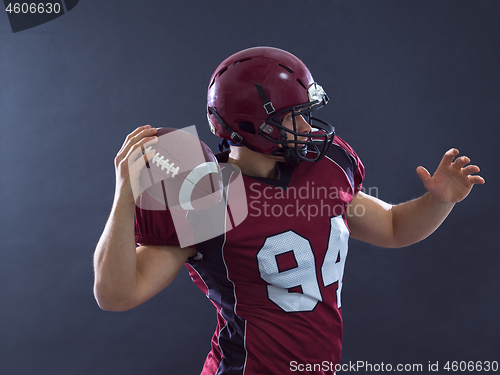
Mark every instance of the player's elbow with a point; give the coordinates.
(110, 302)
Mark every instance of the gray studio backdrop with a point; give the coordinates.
(407, 81)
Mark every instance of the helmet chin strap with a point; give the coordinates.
(224, 144)
(291, 157)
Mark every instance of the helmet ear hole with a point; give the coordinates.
(247, 126)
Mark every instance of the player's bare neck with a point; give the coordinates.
(253, 163)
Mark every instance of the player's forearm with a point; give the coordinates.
(415, 220)
(115, 258)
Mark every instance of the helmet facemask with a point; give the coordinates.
(297, 149)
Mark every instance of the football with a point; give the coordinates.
(183, 172)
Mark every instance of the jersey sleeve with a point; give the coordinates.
(154, 227)
(358, 168)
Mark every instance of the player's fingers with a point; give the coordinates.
(123, 163)
(133, 134)
(423, 174)
(124, 149)
(135, 173)
(140, 147)
(460, 162)
(136, 166)
(137, 131)
(448, 156)
(133, 138)
(147, 132)
(476, 180)
(471, 169)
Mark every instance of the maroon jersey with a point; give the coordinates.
(276, 278)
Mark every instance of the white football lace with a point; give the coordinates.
(160, 161)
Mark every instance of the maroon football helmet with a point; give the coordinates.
(250, 93)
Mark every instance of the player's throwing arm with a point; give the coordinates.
(124, 276)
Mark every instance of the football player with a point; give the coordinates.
(276, 278)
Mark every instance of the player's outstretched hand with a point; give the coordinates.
(453, 180)
(128, 165)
